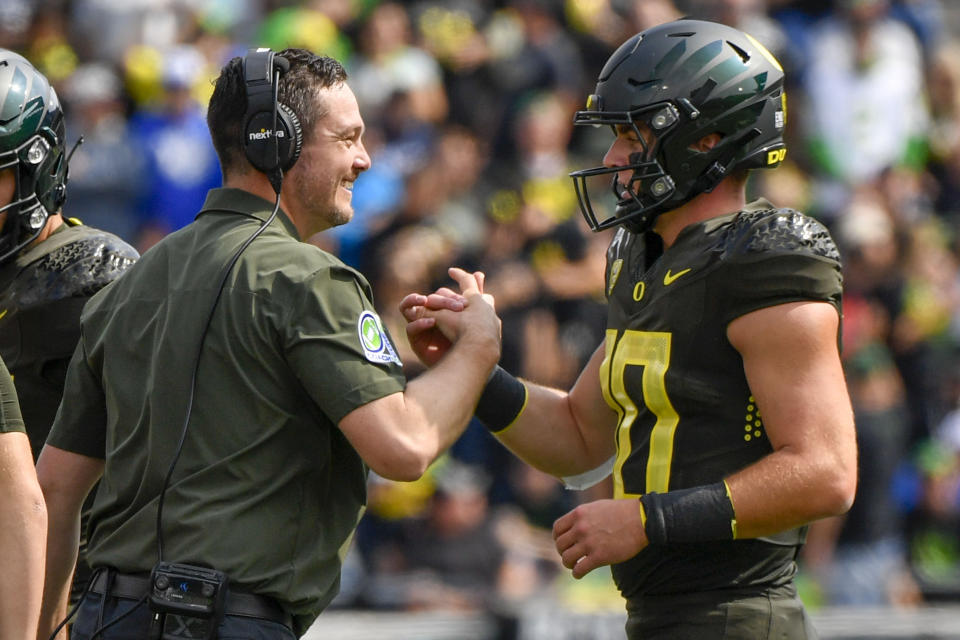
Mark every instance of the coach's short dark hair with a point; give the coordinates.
(298, 90)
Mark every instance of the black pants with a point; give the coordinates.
(774, 614)
(136, 625)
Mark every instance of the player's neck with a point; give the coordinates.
(724, 199)
(54, 222)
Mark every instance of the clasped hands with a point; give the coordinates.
(437, 320)
(593, 534)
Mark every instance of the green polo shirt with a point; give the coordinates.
(267, 488)
(10, 419)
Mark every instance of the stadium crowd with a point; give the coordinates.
(468, 108)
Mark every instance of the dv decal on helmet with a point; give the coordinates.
(374, 340)
(776, 156)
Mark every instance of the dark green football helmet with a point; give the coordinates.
(32, 144)
(684, 80)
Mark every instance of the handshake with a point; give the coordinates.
(437, 321)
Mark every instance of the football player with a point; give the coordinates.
(717, 399)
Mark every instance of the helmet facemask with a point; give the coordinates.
(649, 186)
(26, 215)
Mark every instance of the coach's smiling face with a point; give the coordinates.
(331, 160)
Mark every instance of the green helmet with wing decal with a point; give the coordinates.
(684, 80)
(32, 144)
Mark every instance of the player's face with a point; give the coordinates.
(330, 162)
(629, 141)
(8, 185)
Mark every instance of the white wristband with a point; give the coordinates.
(587, 479)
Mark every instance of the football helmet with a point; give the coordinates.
(679, 82)
(32, 144)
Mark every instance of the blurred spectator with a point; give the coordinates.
(309, 27)
(644, 14)
(387, 63)
(106, 173)
(925, 18)
(181, 163)
(106, 29)
(858, 123)
(930, 490)
(923, 332)
(16, 16)
(944, 95)
(548, 60)
(450, 557)
(543, 267)
(50, 46)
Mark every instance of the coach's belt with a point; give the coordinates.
(238, 603)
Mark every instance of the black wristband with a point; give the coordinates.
(502, 400)
(690, 515)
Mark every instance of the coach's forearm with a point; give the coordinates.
(62, 542)
(65, 478)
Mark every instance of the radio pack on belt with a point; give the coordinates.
(187, 601)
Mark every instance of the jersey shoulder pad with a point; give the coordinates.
(78, 268)
(778, 231)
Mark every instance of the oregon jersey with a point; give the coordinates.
(41, 296)
(686, 414)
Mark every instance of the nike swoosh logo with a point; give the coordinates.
(668, 278)
(3, 313)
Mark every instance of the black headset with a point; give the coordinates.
(272, 137)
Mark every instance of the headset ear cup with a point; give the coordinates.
(292, 125)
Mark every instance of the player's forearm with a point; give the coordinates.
(22, 537)
(565, 433)
(548, 436)
(788, 489)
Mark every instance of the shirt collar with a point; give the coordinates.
(224, 199)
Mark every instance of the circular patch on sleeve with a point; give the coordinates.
(374, 340)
